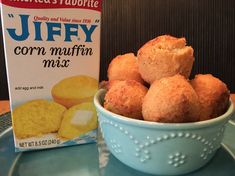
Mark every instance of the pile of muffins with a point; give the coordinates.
(155, 86)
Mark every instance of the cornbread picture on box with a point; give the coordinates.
(36, 118)
(74, 90)
(76, 94)
(70, 115)
(52, 54)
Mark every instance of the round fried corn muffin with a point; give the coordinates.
(213, 95)
(74, 90)
(124, 67)
(125, 98)
(37, 117)
(171, 100)
(165, 56)
(77, 120)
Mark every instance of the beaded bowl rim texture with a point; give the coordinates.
(98, 100)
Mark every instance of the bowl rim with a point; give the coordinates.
(148, 124)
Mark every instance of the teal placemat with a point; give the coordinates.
(5, 121)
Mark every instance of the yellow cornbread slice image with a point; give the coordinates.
(78, 120)
(74, 90)
(36, 118)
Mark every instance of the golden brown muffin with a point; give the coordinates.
(165, 56)
(125, 98)
(37, 117)
(171, 100)
(124, 67)
(77, 120)
(74, 90)
(213, 95)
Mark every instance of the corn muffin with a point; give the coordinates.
(37, 117)
(78, 120)
(74, 90)
(213, 95)
(165, 56)
(125, 98)
(171, 100)
(124, 67)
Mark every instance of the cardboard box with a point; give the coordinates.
(52, 51)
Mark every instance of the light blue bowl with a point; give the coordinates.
(160, 148)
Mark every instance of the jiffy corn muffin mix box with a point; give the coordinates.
(52, 51)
